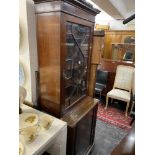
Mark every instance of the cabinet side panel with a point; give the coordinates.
(92, 80)
(48, 25)
(97, 49)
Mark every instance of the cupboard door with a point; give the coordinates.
(76, 62)
(84, 134)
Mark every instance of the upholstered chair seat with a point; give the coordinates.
(119, 95)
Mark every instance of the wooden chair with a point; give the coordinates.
(122, 86)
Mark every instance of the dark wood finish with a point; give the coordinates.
(55, 22)
(81, 126)
(49, 70)
(79, 111)
(67, 7)
(127, 145)
(82, 4)
(111, 66)
(52, 52)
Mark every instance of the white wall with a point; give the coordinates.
(28, 47)
(104, 19)
(24, 57)
(31, 20)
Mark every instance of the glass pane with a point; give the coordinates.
(123, 51)
(75, 69)
(79, 32)
(68, 69)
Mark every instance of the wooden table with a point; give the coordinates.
(127, 145)
(53, 140)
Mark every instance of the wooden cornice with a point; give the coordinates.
(80, 3)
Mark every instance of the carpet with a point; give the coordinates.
(107, 137)
(114, 116)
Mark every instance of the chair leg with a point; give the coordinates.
(107, 98)
(132, 106)
(127, 107)
(111, 100)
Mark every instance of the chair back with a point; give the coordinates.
(124, 77)
(101, 77)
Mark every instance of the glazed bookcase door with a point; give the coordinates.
(76, 62)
